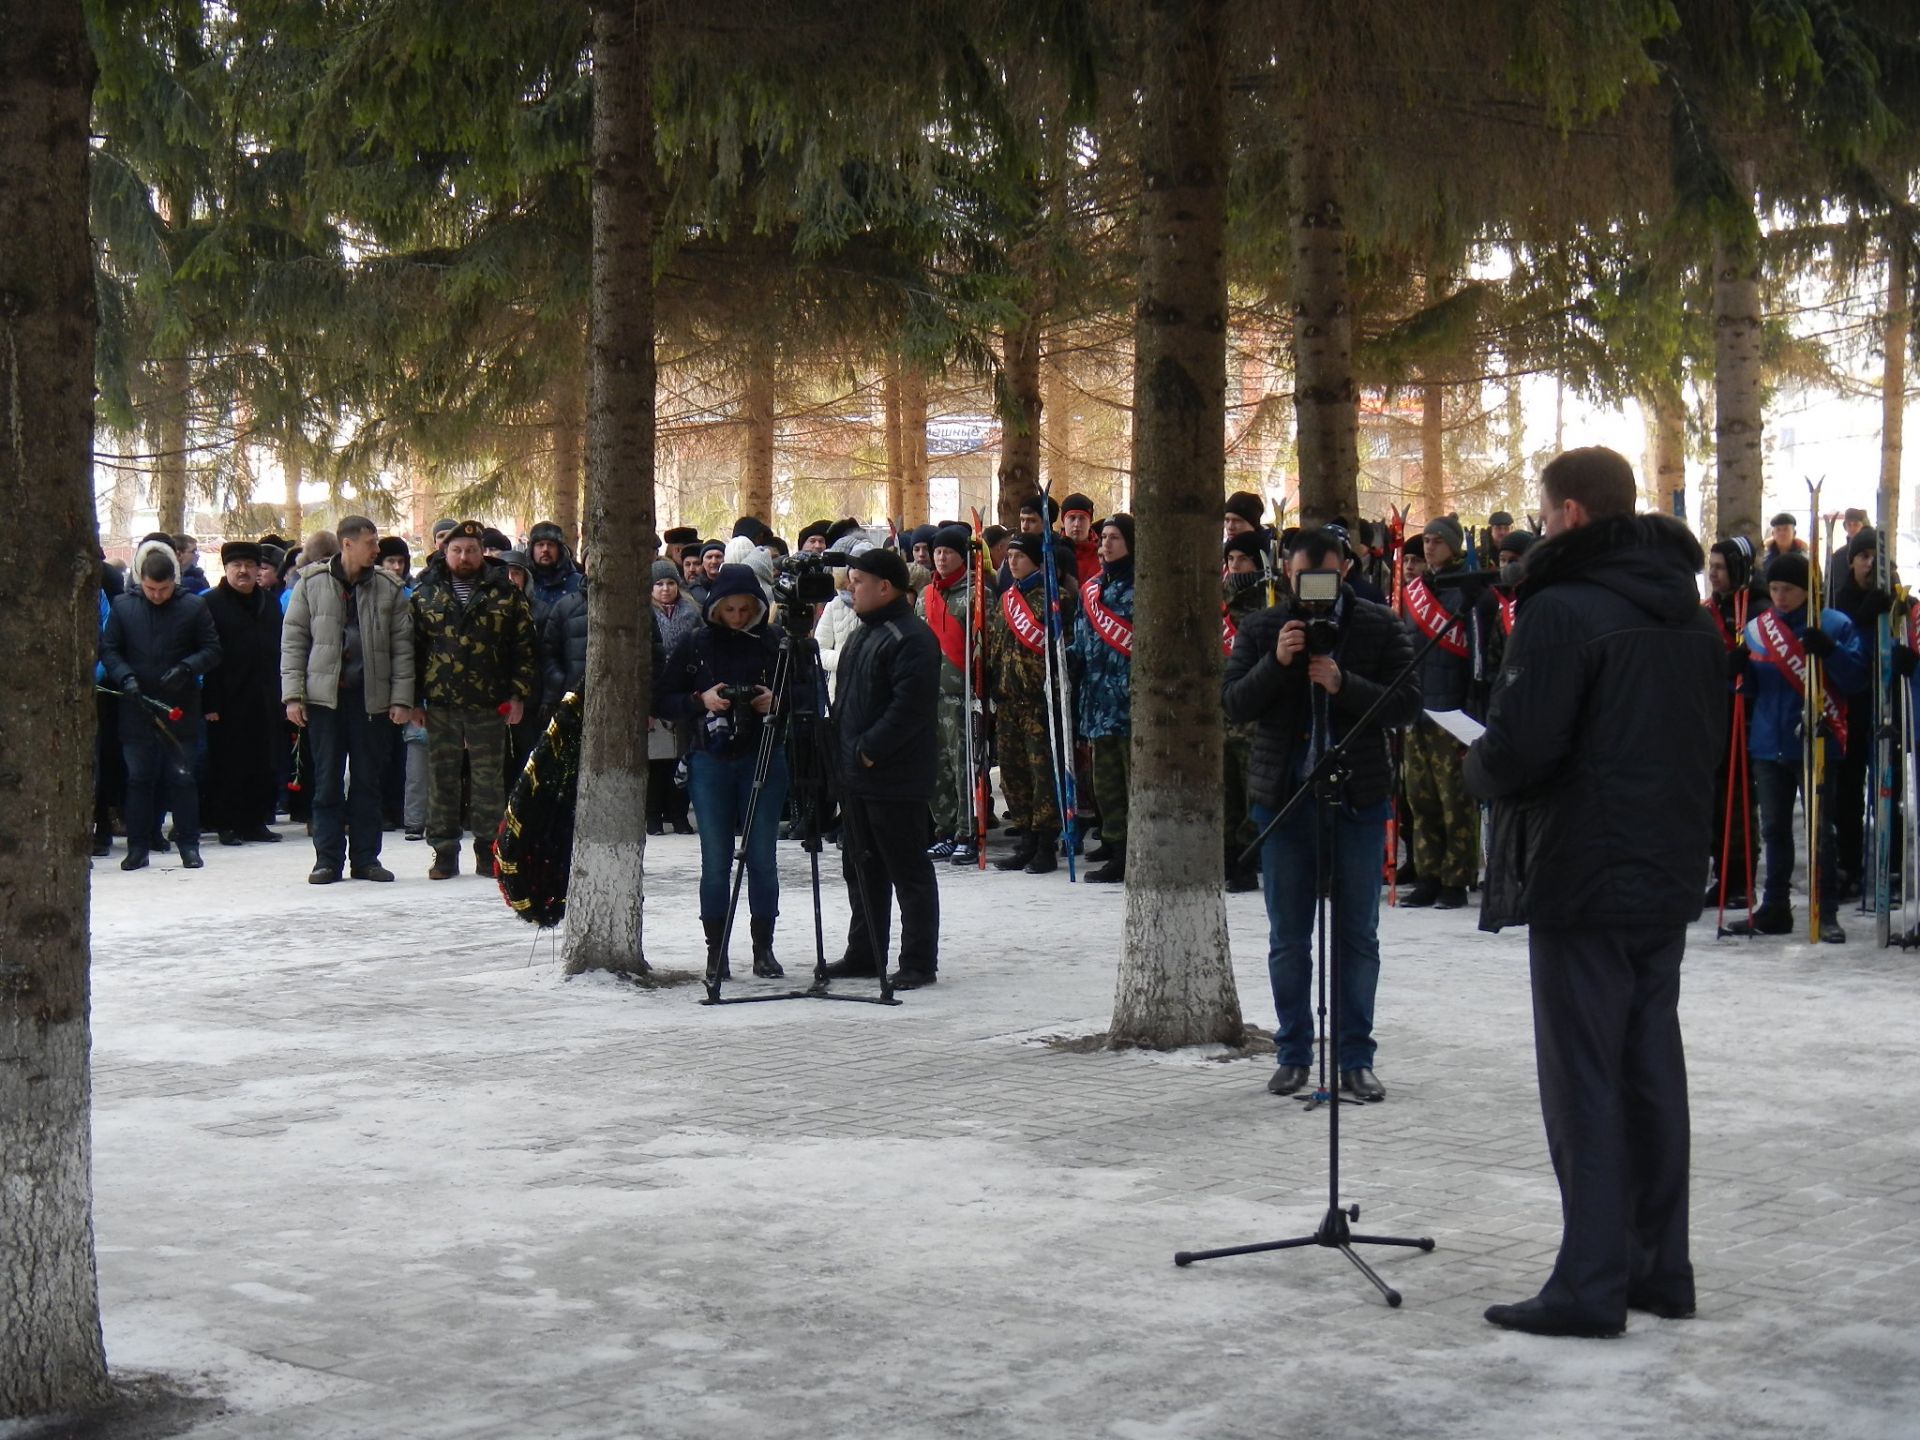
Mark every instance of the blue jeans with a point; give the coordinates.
(719, 789)
(1287, 878)
(1775, 782)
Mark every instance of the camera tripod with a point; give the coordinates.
(797, 712)
(1324, 782)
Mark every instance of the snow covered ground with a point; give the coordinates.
(368, 1165)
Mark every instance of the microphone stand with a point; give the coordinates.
(1325, 781)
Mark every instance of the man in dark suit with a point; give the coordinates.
(1603, 739)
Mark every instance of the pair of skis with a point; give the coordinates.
(1738, 779)
(975, 714)
(1059, 692)
(1813, 749)
(1396, 551)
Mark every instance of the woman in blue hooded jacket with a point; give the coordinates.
(736, 647)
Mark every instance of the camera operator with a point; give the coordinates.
(1336, 656)
(887, 742)
(719, 676)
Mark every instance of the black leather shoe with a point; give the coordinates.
(135, 858)
(1361, 1084)
(851, 970)
(1766, 921)
(371, 872)
(262, 835)
(1831, 933)
(102, 844)
(913, 979)
(1535, 1317)
(231, 837)
(190, 860)
(1286, 1079)
(323, 875)
(1422, 895)
(1654, 1303)
(1451, 897)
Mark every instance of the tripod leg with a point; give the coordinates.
(1392, 1295)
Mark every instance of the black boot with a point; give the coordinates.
(135, 858)
(1022, 853)
(1767, 920)
(764, 965)
(1114, 871)
(190, 856)
(1046, 855)
(716, 930)
(483, 858)
(446, 862)
(1425, 892)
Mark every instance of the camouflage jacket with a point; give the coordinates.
(475, 656)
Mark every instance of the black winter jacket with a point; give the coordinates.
(1373, 648)
(563, 647)
(147, 641)
(246, 683)
(717, 654)
(886, 691)
(1604, 735)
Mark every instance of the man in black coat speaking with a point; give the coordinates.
(887, 746)
(1603, 737)
(1276, 680)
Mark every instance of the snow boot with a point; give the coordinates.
(764, 965)
(1423, 894)
(446, 862)
(1022, 853)
(1101, 853)
(716, 930)
(1830, 931)
(1451, 897)
(1114, 871)
(483, 858)
(1046, 856)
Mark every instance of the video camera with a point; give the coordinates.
(1315, 593)
(804, 578)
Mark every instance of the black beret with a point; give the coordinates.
(245, 550)
(468, 530)
(883, 562)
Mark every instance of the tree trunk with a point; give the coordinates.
(1893, 391)
(1433, 448)
(896, 457)
(1056, 416)
(1738, 422)
(1020, 412)
(913, 444)
(757, 413)
(294, 470)
(569, 422)
(609, 837)
(169, 432)
(51, 1356)
(1175, 985)
(1668, 417)
(1324, 399)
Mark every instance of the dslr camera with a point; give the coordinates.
(738, 694)
(1315, 593)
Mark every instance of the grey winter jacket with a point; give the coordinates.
(314, 629)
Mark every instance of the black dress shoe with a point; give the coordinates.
(913, 979)
(1536, 1317)
(1286, 1079)
(323, 875)
(371, 872)
(231, 837)
(135, 858)
(1361, 1084)
(190, 860)
(851, 970)
(1653, 1303)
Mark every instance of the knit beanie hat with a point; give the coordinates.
(1864, 542)
(1122, 522)
(1247, 542)
(955, 537)
(1034, 547)
(1788, 569)
(1447, 531)
(1076, 501)
(1247, 505)
(665, 570)
(1516, 542)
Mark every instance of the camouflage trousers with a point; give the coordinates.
(1236, 815)
(952, 814)
(452, 735)
(1112, 764)
(1444, 819)
(1026, 764)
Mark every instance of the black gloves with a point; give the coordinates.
(130, 686)
(1739, 662)
(1817, 642)
(176, 677)
(1879, 602)
(1905, 662)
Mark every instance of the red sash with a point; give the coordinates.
(1784, 649)
(946, 626)
(1712, 607)
(1020, 619)
(1108, 626)
(1426, 611)
(1508, 608)
(1228, 631)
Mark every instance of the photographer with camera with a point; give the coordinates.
(1300, 672)
(720, 677)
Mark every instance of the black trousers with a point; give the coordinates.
(883, 852)
(238, 792)
(160, 777)
(348, 742)
(1613, 1091)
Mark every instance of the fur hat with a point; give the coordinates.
(681, 535)
(839, 531)
(818, 527)
(392, 545)
(153, 546)
(752, 527)
(246, 550)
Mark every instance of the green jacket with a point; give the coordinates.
(477, 656)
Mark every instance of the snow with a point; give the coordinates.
(367, 1164)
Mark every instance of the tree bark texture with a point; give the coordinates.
(913, 444)
(1433, 448)
(609, 844)
(1020, 412)
(759, 425)
(1738, 424)
(1056, 414)
(1326, 412)
(1668, 421)
(569, 420)
(294, 471)
(51, 1355)
(1893, 388)
(169, 432)
(896, 456)
(1175, 985)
